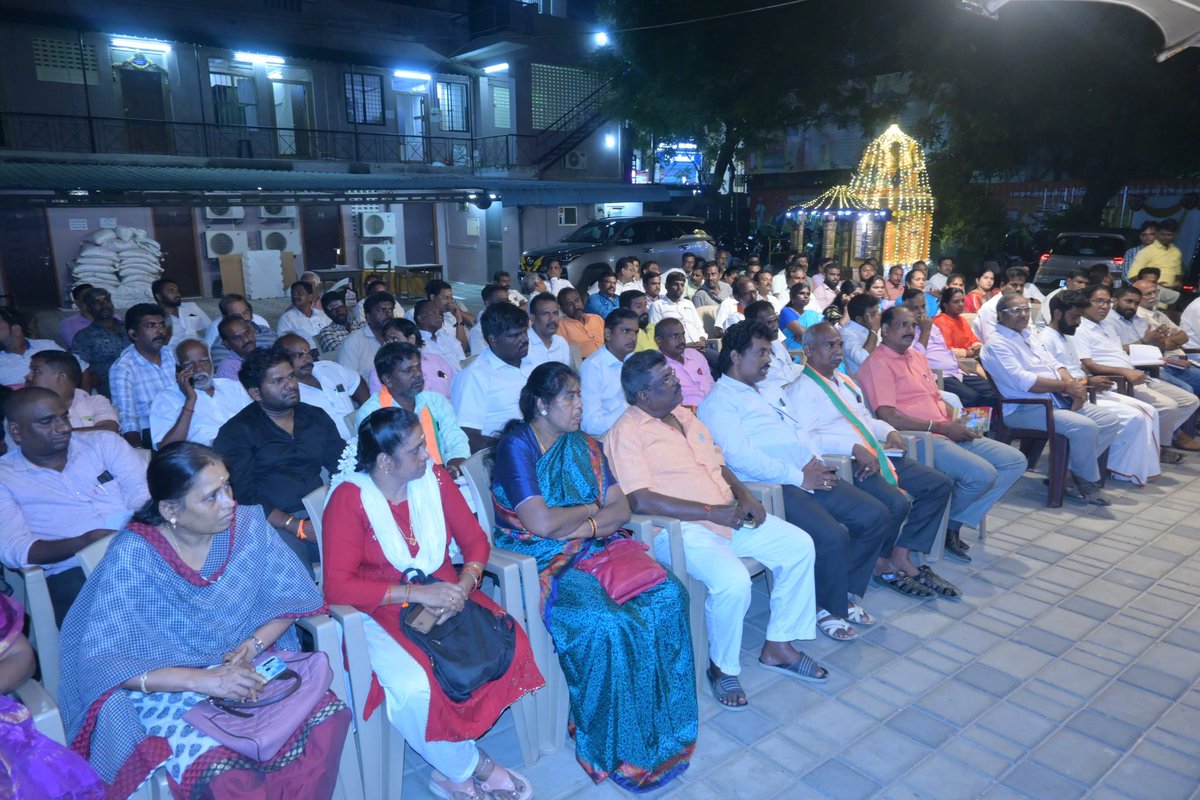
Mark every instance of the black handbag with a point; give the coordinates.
(468, 650)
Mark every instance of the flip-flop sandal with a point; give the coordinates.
(931, 580)
(1170, 458)
(858, 615)
(440, 786)
(725, 686)
(900, 582)
(802, 669)
(522, 790)
(831, 626)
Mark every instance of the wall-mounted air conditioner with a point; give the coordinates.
(576, 159)
(222, 211)
(377, 225)
(374, 255)
(277, 212)
(224, 243)
(288, 240)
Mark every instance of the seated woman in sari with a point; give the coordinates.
(796, 316)
(391, 512)
(628, 667)
(32, 765)
(186, 597)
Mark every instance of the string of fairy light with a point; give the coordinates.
(892, 175)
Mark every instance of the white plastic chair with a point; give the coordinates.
(32, 592)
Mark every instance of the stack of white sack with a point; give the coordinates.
(123, 260)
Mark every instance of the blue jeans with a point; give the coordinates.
(982, 471)
(1186, 378)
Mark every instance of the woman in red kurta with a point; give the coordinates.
(954, 326)
(396, 511)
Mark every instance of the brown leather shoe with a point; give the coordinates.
(1185, 442)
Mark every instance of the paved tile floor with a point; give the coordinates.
(1069, 669)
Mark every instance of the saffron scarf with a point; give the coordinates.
(868, 439)
(428, 426)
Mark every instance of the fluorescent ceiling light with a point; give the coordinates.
(407, 73)
(258, 58)
(494, 68)
(144, 45)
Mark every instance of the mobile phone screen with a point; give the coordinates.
(271, 668)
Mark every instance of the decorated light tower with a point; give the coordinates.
(892, 175)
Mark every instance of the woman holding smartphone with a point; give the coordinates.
(391, 511)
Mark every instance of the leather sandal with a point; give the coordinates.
(836, 628)
(443, 787)
(521, 790)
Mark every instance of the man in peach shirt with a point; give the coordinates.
(578, 327)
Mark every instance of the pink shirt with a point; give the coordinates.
(694, 376)
(903, 382)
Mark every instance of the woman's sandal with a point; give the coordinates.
(521, 790)
(931, 580)
(443, 787)
(723, 687)
(836, 628)
(901, 582)
(802, 669)
(858, 615)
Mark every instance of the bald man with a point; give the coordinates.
(61, 490)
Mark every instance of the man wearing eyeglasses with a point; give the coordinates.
(329, 386)
(902, 392)
(1098, 343)
(1022, 368)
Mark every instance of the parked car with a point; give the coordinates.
(596, 246)
(1081, 250)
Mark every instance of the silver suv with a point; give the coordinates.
(596, 246)
(1080, 251)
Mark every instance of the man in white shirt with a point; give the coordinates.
(61, 491)
(628, 276)
(760, 438)
(328, 385)
(504, 280)
(358, 351)
(783, 370)
(358, 315)
(937, 281)
(1098, 343)
(1178, 367)
(59, 372)
(860, 336)
(1077, 281)
(1015, 281)
(492, 293)
(762, 280)
(1189, 320)
(486, 394)
(544, 342)
(187, 321)
(303, 317)
(430, 321)
(675, 306)
(733, 309)
(16, 350)
(1023, 369)
(555, 282)
(1136, 328)
(600, 375)
(1134, 455)
(199, 404)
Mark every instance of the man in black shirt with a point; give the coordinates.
(276, 446)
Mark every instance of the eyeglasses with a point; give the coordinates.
(1096, 301)
(670, 379)
(1016, 310)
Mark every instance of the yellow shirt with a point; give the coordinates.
(645, 340)
(1167, 259)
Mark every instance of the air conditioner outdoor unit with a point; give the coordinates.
(288, 240)
(222, 211)
(224, 243)
(374, 255)
(277, 212)
(576, 159)
(377, 225)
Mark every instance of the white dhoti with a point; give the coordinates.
(1133, 455)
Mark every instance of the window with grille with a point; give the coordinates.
(364, 99)
(557, 90)
(452, 102)
(64, 61)
(235, 101)
(501, 106)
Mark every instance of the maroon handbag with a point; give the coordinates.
(258, 729)
(624, 568)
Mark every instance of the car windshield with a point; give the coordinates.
(1089, 246)
(595, 232)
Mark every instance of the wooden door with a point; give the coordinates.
(175, 230)
(321, 236)
(145, 105)
(419, 234)
(29, 277)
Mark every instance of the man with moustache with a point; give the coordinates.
(783, 369)
(486, 394)
(713, 291)
(358, 350)
(60, 373)
(600, 374)
(1136, 328)
(100, 343)
(187, 320)
(901, 391)
(239, 339)
(635, 300)
(141, 372)
(331, 337)
(674, 305)
(275, 448)
(196, 407)
(584, 330)
(690, 367)
(303, 317)
(327, 385)
(234, 305)
(544, 342)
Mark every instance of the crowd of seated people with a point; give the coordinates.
(630, 399)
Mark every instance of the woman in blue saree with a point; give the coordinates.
(628, 667)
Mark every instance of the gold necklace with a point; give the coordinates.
(538, 439)
(410, 538)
